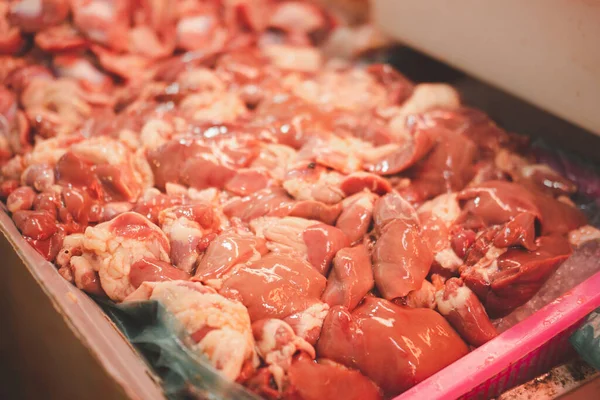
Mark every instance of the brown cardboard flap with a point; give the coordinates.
(85, 319)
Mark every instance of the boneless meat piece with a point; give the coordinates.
(391, 207)
(219, 327)
(447, 168)
(186, 226)
(412, 343)
(275, 286)
(325, 379)
(308, 181)
(350, 279)
(355, 218)
(504, 279)
(225, 252)
(323, 242)
(438, 217)
(308, 323)
(112, 247)
(464, 311)
(276, 344)
(496, 202)
(311, 240)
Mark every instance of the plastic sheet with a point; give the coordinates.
(158, 337)
(586, 339)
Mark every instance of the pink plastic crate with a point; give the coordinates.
(521, 353)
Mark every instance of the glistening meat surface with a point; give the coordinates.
(318, 227)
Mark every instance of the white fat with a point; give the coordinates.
(488, 264)
(80, 267)
(101, 9)
(444, 207)
(154, 133)
(305, 59)
(28, 8)
(298, 188)
(182, 230)
(584, 234)
(200, 24)
(427, 96)
(448, 259)
(311, 318)
(455, 300)
(82, 69)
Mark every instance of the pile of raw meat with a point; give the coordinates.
(320, 229)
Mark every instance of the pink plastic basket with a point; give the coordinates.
(517, 355)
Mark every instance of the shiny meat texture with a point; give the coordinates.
(186, 226)
(438, 217)
(276, 344)
(225, 252)
(401, 256)
(325, 379)
(412, 343)
(496, 202)
(350, 279)
(219, 328)
(355, 218)
(238, 161)
(111, 248)
(459, 305)
(276, 202)
(276, 286)
(316, 242)
(202, 163)
(506, 278)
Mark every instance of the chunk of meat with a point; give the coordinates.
(226, 251)
(447, 168)
(438, 217)
(425, 97)
(186, 226)
(392, 207)
(350, 279)
(420, 343)
(271, 201)
(284, 235)
(201, 164)
(275, 286)
(308, 181)
(248, 181)
(399, 157)
(38, 225)
(38, 176)
(307, 323)
(112, 247)
(401, 259)
(151, 270)
(276, 344)
(323, 242)
(424, 297)
(325, 379)
(355, 218)
(504, 280)
(459, 305)
(496, 202)
(20, 199)
(359, 181)
(220, 328)
(582, 235)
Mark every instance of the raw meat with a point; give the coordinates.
(319, 227)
